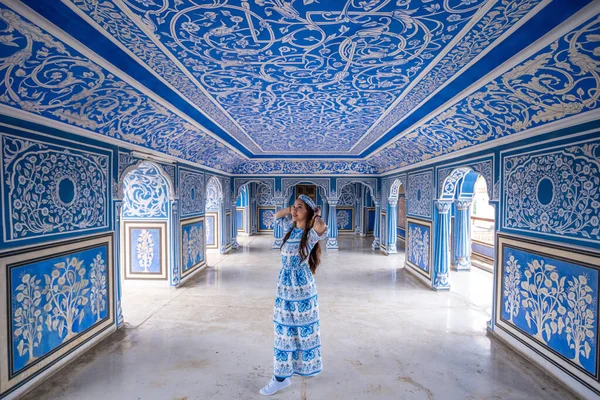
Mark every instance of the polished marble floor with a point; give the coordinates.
(384, 335)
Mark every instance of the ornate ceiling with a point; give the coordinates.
(304, 86)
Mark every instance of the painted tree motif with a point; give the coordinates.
(145, 249)
(343, 219)
(185, 246)
(28, 319)
(512, 280)
(65, 292)
(418, 246)
(98, 291)
(269, 219)
(542, 293)
(578, 321)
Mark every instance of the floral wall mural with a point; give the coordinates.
(554, 301)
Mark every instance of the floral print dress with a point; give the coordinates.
(297, 347)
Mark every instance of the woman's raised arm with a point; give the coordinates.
(283, 212)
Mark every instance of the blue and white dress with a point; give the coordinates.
(297, 347)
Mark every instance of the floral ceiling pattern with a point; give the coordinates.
(286, 79)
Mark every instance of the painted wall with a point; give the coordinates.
(547, 198)
(65, 200)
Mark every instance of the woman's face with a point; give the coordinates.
(299, 211)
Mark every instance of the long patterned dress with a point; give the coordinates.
(297, 347)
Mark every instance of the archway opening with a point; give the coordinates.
(472, 232)
(146, 247)
(214, 224)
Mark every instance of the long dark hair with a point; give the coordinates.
(314, 258)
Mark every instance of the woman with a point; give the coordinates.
(297, 344)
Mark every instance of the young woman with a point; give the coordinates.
(297, 344)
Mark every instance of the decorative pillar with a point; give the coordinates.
(253, 213)
(223, 226)
(461, 237)
(234, 243)
(118, 204)
(392, 223)
(441, 262)
(357, 215)
(332, 243)
(174, 240)
(277, 228)
(376, 232)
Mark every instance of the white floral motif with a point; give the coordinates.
(28, 318)
(65, 292)
(145, 250)
(98, 291)
(512, 294)
(343, 219)
(146, 193)
(81, 93)
(580, 317)
(268, 219)
(191, 189)
(542, 292)
(214, 194)
(418, 246)
(419, 194)
(533, 100)
(36, 175)
(573, 207)
(193, 246)
(347, 196)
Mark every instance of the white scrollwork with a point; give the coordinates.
(343, 219)
(145, 250)
(42, 75)
(146, 193)
(552, 84)
(418, 246)
(419, 194)
(191, 190)
(214, 194)
(347, 196)
(569, 203)
(52, 189)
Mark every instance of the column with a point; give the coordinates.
(441, 262)
(392, 223)
(222, 227)
(461, 238)
(277, 228)
(234, 243)
(253, 214)
(332, 243)
(174, 243)
(375, 244)
(357, 217)
(118, 204)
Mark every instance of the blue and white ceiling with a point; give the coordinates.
(269, 86)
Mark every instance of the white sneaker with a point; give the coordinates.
(273, 386)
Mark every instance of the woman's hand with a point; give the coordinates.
(318, 223)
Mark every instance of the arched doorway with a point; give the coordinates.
(146, 242)
(453, 223)
(355, 211)
(214, 216)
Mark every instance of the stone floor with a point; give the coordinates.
(384, 336)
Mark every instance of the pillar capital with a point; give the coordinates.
(463, 205)
(332, 202)
(443, 206)
(393, 201)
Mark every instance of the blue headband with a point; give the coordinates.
(309, 202)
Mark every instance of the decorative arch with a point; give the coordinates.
(482, 167)
(370, 183)
(395, 187)
(288, 183)
(239, 182)
(136, 165)
(214, 192)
